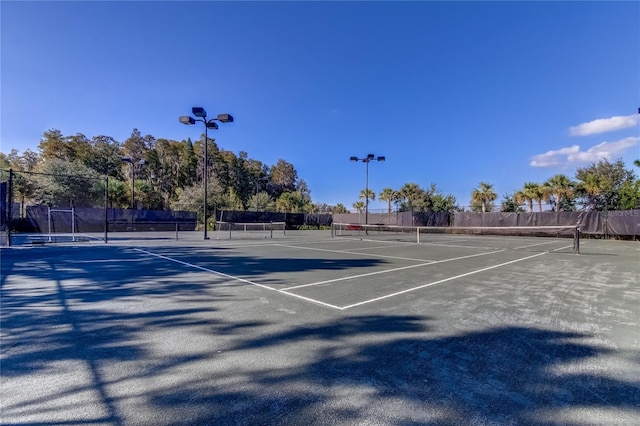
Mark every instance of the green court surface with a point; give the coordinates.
(302, 328)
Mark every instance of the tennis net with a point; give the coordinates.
(514, 237)
(236, 230)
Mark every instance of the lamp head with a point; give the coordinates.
(370, 157)
(381, 158)
(225, 118)
(199, 112)
(212, 125)
(353, 158)
(185, 119)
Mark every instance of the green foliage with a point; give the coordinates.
(602, 185)
(173, 175)
(339, 208)
(510, 204)
(559, 190)
(67, 184)
(482, 198)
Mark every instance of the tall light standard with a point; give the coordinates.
(369, 158)
(208, 124)
(133, 177)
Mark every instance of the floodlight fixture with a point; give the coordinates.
(225, 118)
(186, 119)
(199, 112)
(201, 115)
(369, 158)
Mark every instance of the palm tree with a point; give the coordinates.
(484, 195)
(591, 189)
(559, 186)
(412, 193)
(359, 206)
(369, 192)
(388, 195)
(529, 193)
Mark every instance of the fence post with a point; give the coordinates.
(9, 206)
(106, 209)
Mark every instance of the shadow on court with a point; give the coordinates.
(235, 366)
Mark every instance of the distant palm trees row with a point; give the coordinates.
(600, 185)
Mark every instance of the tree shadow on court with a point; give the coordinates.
(69, 308)
(359, 371)
(153, 346)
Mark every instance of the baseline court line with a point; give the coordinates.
(440, 281)
(237, 278)
(389, 270)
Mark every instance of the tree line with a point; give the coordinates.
(163, 174)
(168, 174)
(600, 186)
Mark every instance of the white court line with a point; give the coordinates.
(379, 247)
(237, 278)
(439, 282)
(353, 252)
(389, 270)
(534, 245)
(205, 269)
(565, 247)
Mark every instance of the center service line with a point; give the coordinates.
(441, 281)
(389, 270)
(355, 253)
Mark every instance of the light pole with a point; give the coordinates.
(369, 158)
(133, 177)
(208, 124)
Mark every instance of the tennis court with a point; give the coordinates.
(319, 328)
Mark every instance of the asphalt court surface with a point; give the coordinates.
(305, 329)
(343, 273)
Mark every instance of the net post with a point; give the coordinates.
(271, 229)
(418, 234)
(576, 239)
(73, 224)
(176, 231)
(230, 227)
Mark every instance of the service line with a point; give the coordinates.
(440, 281)
(222, 274)
(356, 253)
(390, 270)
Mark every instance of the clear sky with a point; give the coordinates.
(452, 93)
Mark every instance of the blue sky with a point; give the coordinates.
(451, 93)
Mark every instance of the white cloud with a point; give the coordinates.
(573, 154)
(602, 125)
